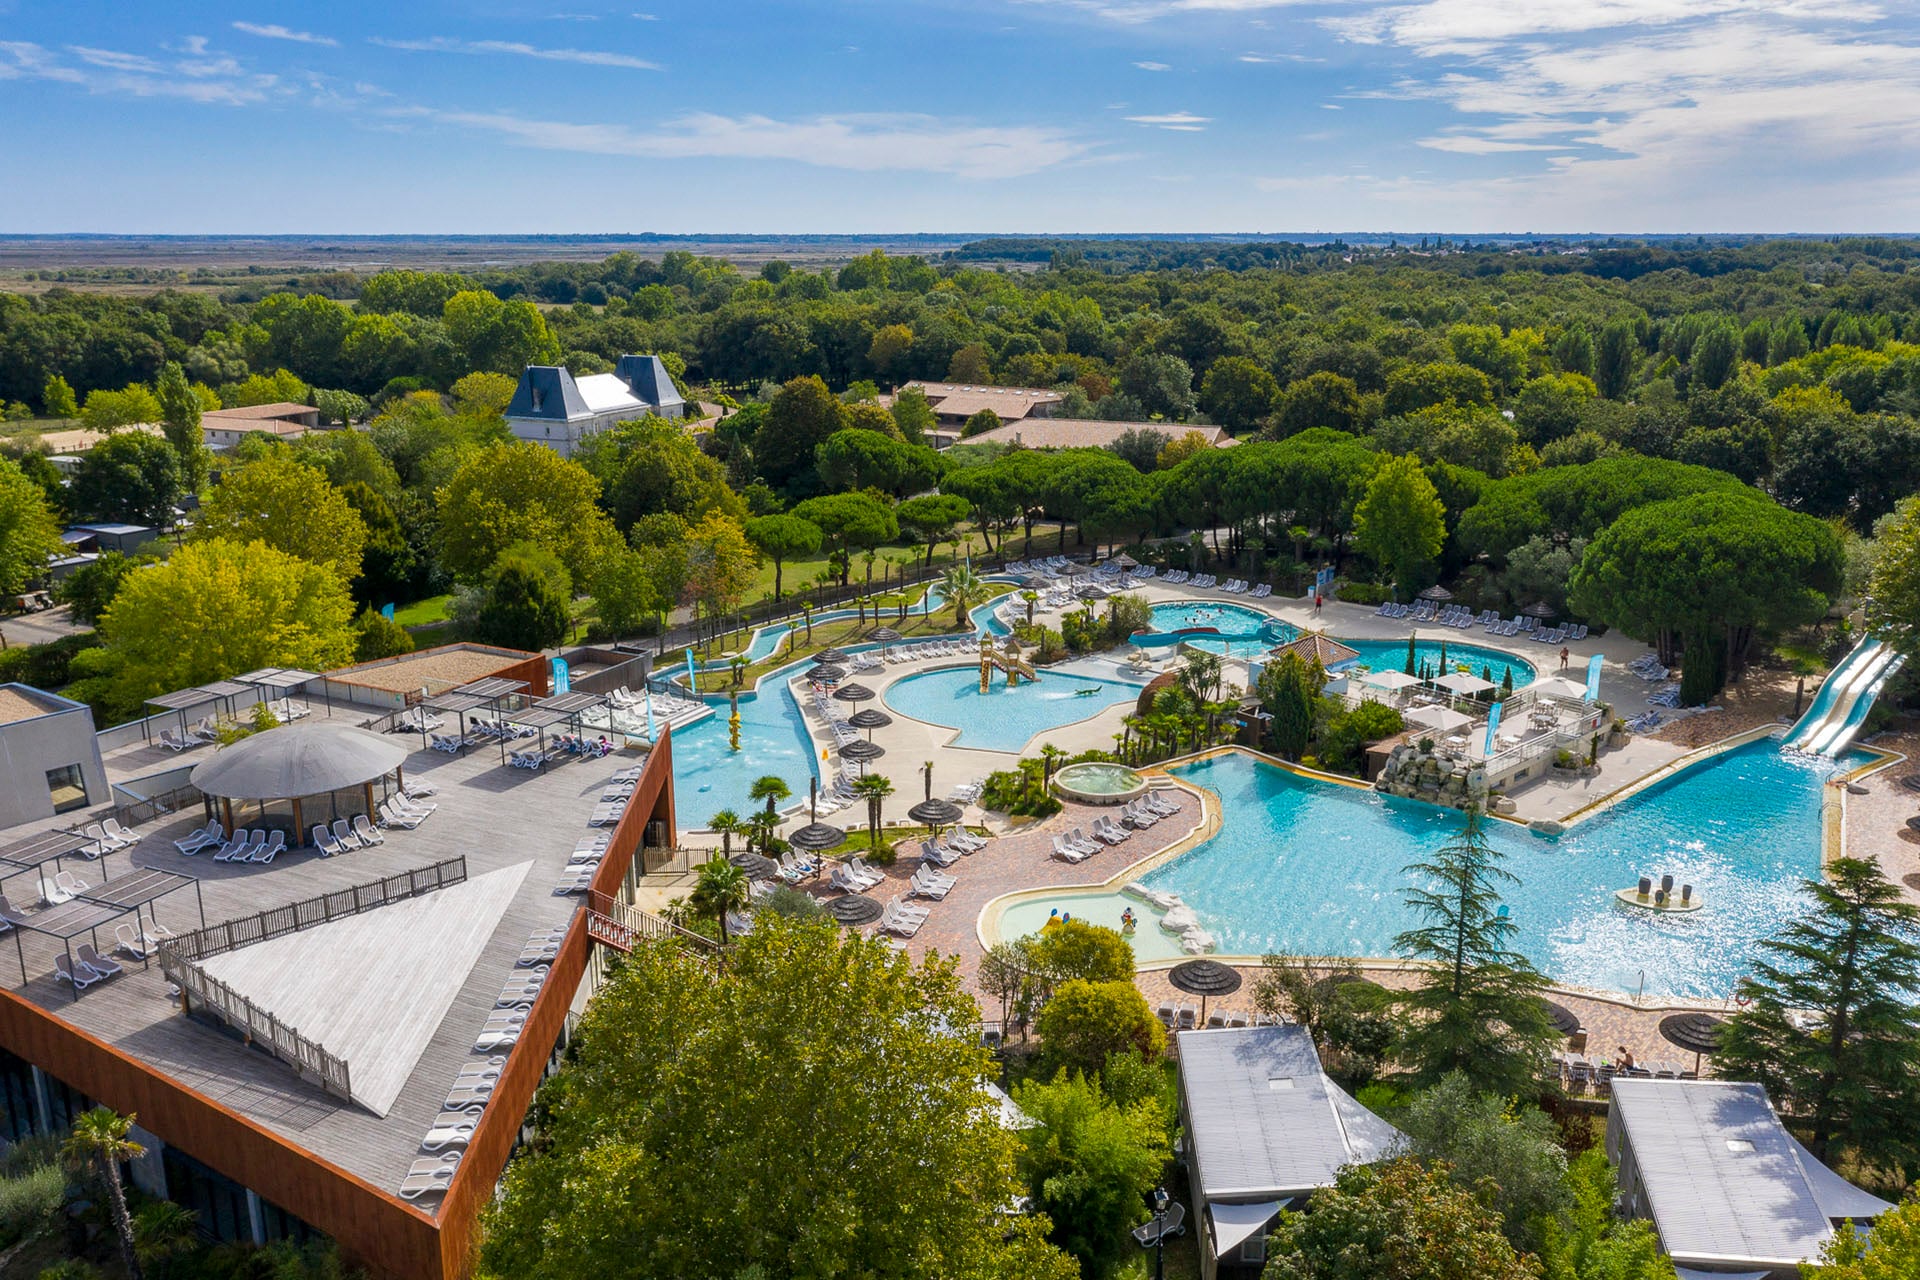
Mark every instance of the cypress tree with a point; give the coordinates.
(1850, 1073)
(1413, 668)
(1477, 1009)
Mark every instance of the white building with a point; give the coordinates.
(1729, 1191)
(553, 407)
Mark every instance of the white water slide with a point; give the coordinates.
(1844, 700)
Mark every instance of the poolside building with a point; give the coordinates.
(1265, 1128)
(222, 429)
(953, 403)
(49, 760)
(552, 406)
(1729, 1191)
(1090, 433)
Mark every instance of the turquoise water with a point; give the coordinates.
(1228, 619)
(1002, 719)
(1318, 869)
(1391, 655)
(709, 777)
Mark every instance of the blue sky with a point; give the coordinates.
(961, 115)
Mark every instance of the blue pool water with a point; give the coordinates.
(1391, 655)
(709, 777)
(1002, 719)
(1318, 869)
(1228, 619)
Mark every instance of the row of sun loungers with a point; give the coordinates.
(142, 938)
(1648, 668)
(108, 837)
(928, 649)
(86, 968)
(1186, 1017)
(344, 837)
(188, 739)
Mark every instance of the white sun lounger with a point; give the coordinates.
(211, 834)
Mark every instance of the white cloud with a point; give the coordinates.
(1138, 11)
(200, 76)
(1473, 26)
(1179, 121)
(274, 31)
(1264, 58)
(1153, 66)
(115, 61)
(448, 44)
(860, 142)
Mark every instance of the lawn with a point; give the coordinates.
(423, 613)
(798, 574)
(849, 631)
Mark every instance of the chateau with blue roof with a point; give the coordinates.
(553, 407)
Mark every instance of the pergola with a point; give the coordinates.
(554, 709)
(452, 704)
(280, 682)
(35, 852)
(295, 762)
(124, 895)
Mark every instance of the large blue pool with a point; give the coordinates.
(1228, 619)
(1319, 869)
(1391, 655)
(709, 776)
(1003, 719)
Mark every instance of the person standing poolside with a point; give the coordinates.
(1565, 653)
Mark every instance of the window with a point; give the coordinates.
(1254, 1248)
(1739, 1146)
(67, 787)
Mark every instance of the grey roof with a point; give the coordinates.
(547, 391)
(298, 760)
(1264, 1121)
(651, 382)
(1755, 1202)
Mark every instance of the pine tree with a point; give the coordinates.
(1288, 689)
(1413, 667)
(1477, 1009)
(1850, 1072)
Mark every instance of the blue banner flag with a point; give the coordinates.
(693, 672)
(1493, 727)
(562, 678)
(387, 613)
(652, 734)
(1593, 678)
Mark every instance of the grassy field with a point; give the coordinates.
(826, 635)
(798, 574)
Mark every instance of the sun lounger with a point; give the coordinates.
(78, 974)
(1065, 852)
(368, 833)
(64, 887)
(211, 834)
(865, 872)
(323, 841)
(344, 834)
(1078, 839)
(923, 887)
(98, 834)
(95, 961)
(904, 925)
(271, 848)
(126, 838)
(429, 1177)
(965, 841)
(844, 879)
(450, 1137)
(391, 817)
(936, 855)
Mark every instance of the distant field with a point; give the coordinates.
(132, 264)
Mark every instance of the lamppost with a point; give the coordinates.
(1169, 1218)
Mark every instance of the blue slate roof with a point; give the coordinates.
(650, 381)
(547, 391)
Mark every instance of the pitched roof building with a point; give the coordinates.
(1265, 1127)
(953, 402)
(553, 407)
(1729, 1190)
(1088, 433)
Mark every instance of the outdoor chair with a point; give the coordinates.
(368, 833)
(323, 841)
(343, 832)
(98, 963)
(275, 845)
(1185, 1017)
(210, 834)
(391, 817)
(126, 838)
(81, 977)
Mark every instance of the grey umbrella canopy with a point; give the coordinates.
(1436, 592)
(1697, 1033)
(816, 836)
(854, 910)
(826, 656)
(1565, 1021)
(1126, 561)
(755, 865)
(887, 635)
(1204, 978)
(827, 671)
(854, 692)
(869, 718)
(936, 813)
(1541, 609)
(862, 750)
(298, 760)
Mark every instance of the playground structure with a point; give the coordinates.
(991, 657)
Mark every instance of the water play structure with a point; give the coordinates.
(1844, 700)
(992, 659)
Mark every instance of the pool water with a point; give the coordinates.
(1002, 719)
(1391, 655)
(709, 776)
(1318, 869)
(1095, 778)
(1228, 619)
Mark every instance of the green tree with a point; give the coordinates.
(625, 591)
(1161, 383)
(1396, 1221)
(29, 537)
(1893, 602)
(1588, 1242)
(781, 538)
(1237, 393)
(913, 413)
(1289, 691)
(1401, 523)
(1072, 949)
(874, 788)
(721, 888)
(980, 422)
(1085, 1023)
(1847, 1073)
(721, 564)
(110, 410)
(772, 788)
(802, 416)
(1891, 1251)
(725, 824)
(342, 408)
(1485, 1142)
(1089, 1163)
(1616, 357)
(932, 518)
(521, 492)
(98, 1144)
(278, 387)
(56, 398)
(180, 420)
(163, 1231)
(290, 507)
(1322, 399)
(88, 590)
(375, 635)
(214, 609)
(653, 465)
(962, 588)
(849, 521)
(777, 1173)
(1476, 1009)
(128, 479)
(856, 458)
(525, 601)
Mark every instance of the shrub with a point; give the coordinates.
(1071, 949)
(1364, 593)
(1022, 792)
(1085, 1023)
(377, 636)
(30, 1201)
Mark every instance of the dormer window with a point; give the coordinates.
(538, 396)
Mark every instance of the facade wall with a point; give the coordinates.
(564, 436)
(30, 748)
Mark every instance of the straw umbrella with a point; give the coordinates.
(1436, 593)
(816, 836)
(863, 751)
(1698, 1033)
(934, 814)
(854, 692)
(869, 718)
(1206, 979)
(827, 673)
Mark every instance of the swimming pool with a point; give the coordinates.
(1003, 719)
(709, 776)
(1316, 868)
(1229, 619)
(1391, 655)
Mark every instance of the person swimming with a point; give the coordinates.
(1127, 921)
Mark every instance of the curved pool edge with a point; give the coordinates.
(952, 741)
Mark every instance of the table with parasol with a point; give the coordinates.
(1206, 979)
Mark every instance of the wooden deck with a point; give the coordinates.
(497, 819)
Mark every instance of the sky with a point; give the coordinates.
(961, 116)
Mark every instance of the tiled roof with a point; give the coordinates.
(1086, 433)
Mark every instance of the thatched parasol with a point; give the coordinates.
(887, 635)
(934, 813)
(853, 692)
(1126, 561)
(870, 718)
(835, 656)
(1698, 1033)
(1541, 609)
(1204, 978)
(1436, 593)
(816, 836)
(1565, 1021)
(863, 751)
(827, 674)
(852, 909)
(755, 865)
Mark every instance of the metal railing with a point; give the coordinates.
(620, 924)
(276, 922)
(258, 1025)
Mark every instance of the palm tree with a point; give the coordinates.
(722, 887)
(739, 665)
(162, 1230)
(99, 1143)
(724, 824)
(759, 829)
(963, 588)
(876, 788)
(1032, 598)
(772, 788)
(1050, 757)
(806, 611)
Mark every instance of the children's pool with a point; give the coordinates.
(1002, 718)
(1320, 869)
(1391, 655)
